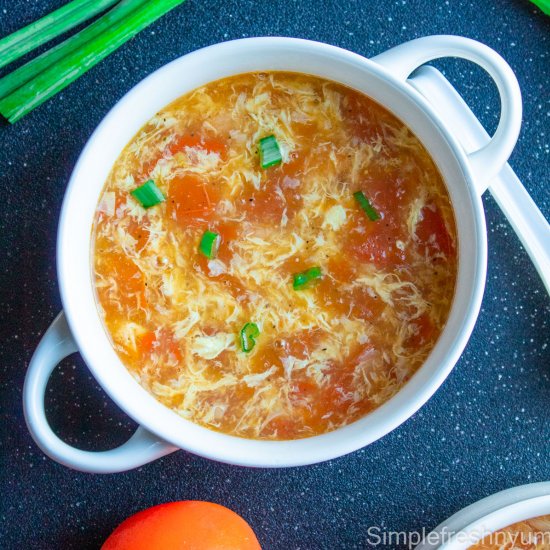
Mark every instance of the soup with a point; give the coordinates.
(530, 534)
(274, 255)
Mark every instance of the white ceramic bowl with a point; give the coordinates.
(488, 515)
(79, 328)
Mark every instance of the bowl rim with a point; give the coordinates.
(490, 514)
(247, 452)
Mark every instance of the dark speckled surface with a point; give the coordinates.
(486, 429)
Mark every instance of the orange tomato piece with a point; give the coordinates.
(265, 205)
(365, 306)
(425, 332)
(376, 244)
(166, 344)
(146, 342)
(174, 348)
(432, 232)
(294, 167)
(298, 345)
(376, 241)
(190, 199)
(228, 230)
(139, 232)
(193, 525)
(363, 117)
(124, 270)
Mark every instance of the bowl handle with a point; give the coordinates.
(487, 161)
(513, 199)
(56, 344)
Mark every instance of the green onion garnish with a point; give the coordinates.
(210, 244)
(28, 38)
(366, 206)
(249, 333)
(302, 280)
(34, 83)
(270, 154)
(148, 194)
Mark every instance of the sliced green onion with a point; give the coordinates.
(210, 244)
(249, 333)
(366, 206)
(270, 154)
(28, 38)
(148, 194)
(302, 280)
(81, 55)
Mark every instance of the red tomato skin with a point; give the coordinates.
(183, 525)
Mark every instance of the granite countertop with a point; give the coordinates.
(486, 429)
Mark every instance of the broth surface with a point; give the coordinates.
(326, 355)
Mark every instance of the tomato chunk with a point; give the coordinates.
(425, 332)
(146, 342)
(190, 199)
(125, 272)
(432, 232)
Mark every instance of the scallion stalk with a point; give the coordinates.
(148, 194)
(28, 38)
(210, 244)
(56, 77)
(249, 333)
(30, 70)
(270, 153)
(367, 207)
(544, 5)
(305, 278)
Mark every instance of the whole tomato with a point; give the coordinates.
(189, 525)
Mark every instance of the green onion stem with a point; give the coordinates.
(270, 153)
(544, 5)
(367, 207)
(210, 244)
(305, 278)
(28, 38)
(249, 333)
(48, 59)
(83, 57)
(148, 194)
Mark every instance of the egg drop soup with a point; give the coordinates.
(274, 255)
